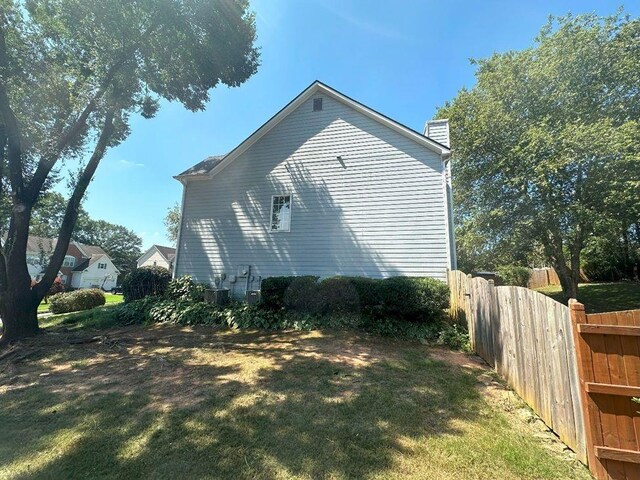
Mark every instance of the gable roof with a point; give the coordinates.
(87, 262)
(90, 250)
(169, 253)
(212, 165)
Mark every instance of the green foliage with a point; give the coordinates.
(76, 300)
(172, 222)
(184, 288)
(406, 298)
(121, 244)
(411, 298)
(546, 143)
(135, 311)
(274, 289)
(74, 72)
(514, 275)
(145, 281)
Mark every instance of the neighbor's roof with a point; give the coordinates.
(41, 244)
(90, 250)
(169, 253)
(212, 165)
(87, 262)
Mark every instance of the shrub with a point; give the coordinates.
(412, 298)
(302, 295)
(273, 290)
(406, 298)
(145, 281)
(514, 275)
(76, 300)
(135, 311)
(56, 287)
(184, 288)
(338, 296)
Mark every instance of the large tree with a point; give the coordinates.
(172, 222)
(72, 72)
(546, 144)
(123, 245)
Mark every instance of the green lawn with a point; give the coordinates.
(602, 297)
(110, 298)
(180, 402)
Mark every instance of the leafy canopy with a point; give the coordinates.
(546, 145)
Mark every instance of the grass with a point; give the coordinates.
(109, 297)
(179, 402)
(602, 297)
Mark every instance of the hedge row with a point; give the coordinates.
(76, 300)
(144, 282)
(414, 299)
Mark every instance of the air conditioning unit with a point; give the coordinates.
(252, 297)
(218, 296)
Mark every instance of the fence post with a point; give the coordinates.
(470, 311)
(585, 374)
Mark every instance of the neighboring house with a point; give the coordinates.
(326, 187)
(158, 256)
(84, 266)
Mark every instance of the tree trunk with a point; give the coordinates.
(19, 313)
(568, 281)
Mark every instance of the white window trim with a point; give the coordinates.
(73, 263)
(290, 195)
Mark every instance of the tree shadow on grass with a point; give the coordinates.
(229, 406)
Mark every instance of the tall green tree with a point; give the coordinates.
(72, 72)
(546, 144)
(172, 222)
(121, 244)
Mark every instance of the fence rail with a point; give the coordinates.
(608, 354)
(526, 337)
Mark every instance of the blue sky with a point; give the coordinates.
(403, 58)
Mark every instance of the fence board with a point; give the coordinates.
(526, 337)
(608, 351)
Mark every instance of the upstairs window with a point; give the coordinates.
(69, 261)
(280, 213)
(102, 266)
(317, 104)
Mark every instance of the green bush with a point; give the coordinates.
(184, 288)
(514, 275)
(407, 298)
(135, 311)
(338, 296)
(144, 282)
(411, 298)
(76, 300)
(273, 290)
(302, 295)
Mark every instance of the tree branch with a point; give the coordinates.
(49, 159)
(12, 131)
(71, 212)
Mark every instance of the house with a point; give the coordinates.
(158, 256)
(327, 186)
(84, 266)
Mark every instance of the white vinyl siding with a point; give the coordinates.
(378, 211)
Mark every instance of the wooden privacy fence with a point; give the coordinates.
(543, 277)
(609, 366)
(527, 337)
